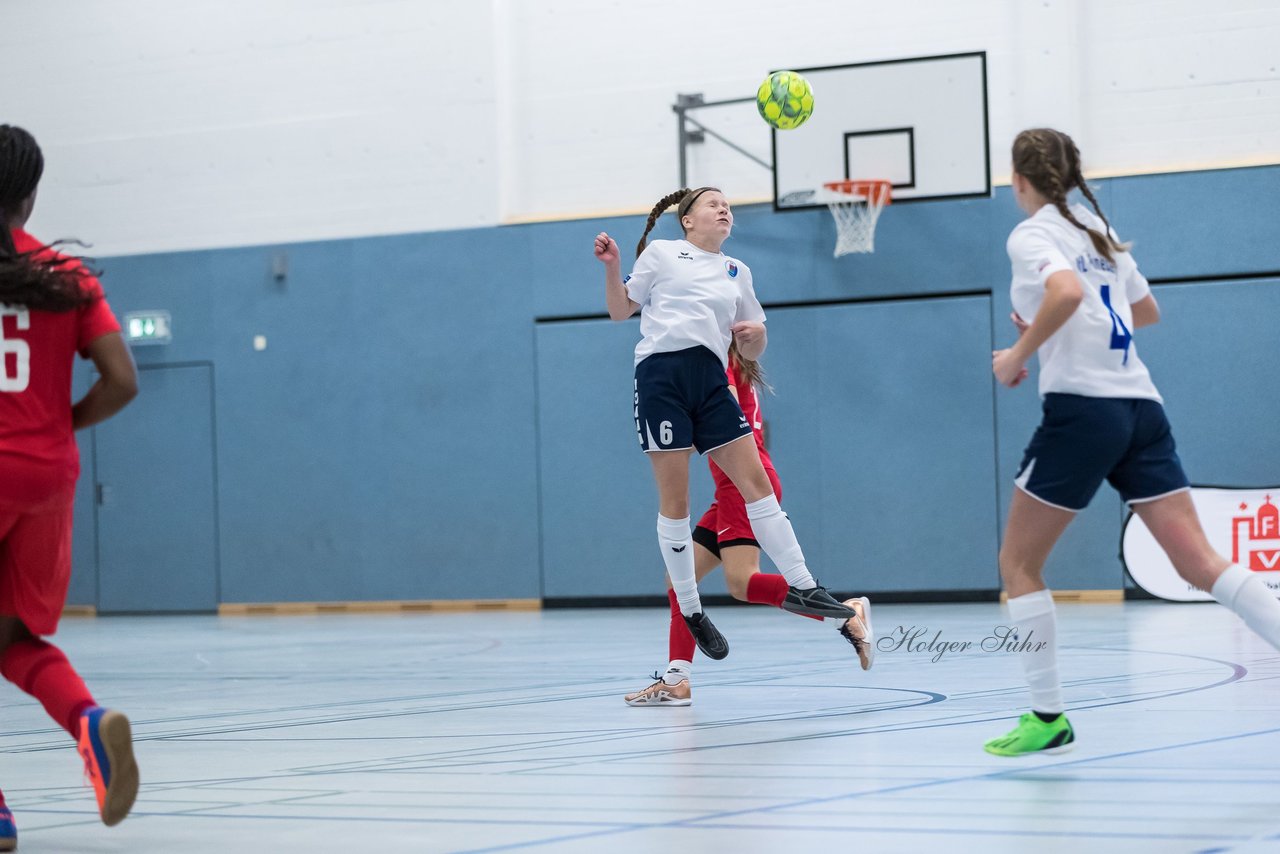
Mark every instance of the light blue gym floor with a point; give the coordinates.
(507, 732)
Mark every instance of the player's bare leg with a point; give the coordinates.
(1175, 525)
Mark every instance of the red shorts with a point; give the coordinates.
(726, 518)
(35, 565)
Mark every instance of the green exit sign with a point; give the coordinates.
(147, 327)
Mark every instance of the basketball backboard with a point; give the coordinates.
(920, 123)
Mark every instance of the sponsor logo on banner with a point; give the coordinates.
(1242, 524)
(1257, 536)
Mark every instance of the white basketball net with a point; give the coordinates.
(856, 207)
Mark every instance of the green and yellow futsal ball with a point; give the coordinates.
(785, 100)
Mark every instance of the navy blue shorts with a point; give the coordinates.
(1083, 441)
(682, 401)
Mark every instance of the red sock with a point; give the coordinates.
(680, 643)
(766, 589)
(42, 671)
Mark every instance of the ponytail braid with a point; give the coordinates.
(1050, 160)
(683, 198)
(1111, 242)
(663, 203)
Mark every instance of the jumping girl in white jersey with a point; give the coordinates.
(724, 534)
(1103, 420)
(693, 300)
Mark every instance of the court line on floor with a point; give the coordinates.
(992, 775)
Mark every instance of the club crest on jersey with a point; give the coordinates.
(732, 268)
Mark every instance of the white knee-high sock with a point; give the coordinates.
(773, 531)
(1035, 618)
(1242, 592)
(676, 543)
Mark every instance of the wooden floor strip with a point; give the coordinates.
(1084, 596)
(247, 609)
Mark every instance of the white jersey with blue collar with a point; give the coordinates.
(689, 297)
(1093, 354)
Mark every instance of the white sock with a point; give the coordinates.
(677, 553)
(1243, 592)
(1034, 616)
(677, 671)
(773, 531)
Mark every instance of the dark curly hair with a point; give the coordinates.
(42, 279)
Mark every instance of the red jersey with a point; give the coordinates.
(750, 403)
(38, 454)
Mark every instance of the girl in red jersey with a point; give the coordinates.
(51, 308)
(724, 534)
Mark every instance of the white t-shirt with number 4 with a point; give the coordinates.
(689, 297)
(1093, 354)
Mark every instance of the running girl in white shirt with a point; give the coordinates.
(1103, 420)
(693, 300)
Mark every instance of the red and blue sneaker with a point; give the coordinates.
(106, 745)
(8, 831)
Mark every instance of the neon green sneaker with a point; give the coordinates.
(1033, 735)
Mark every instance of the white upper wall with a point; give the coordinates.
(206, 123)
(198, 123)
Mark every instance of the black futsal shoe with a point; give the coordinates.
(816, 602)
(707, 636)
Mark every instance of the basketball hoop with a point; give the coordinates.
(855, 206)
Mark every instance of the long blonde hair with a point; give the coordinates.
(748, 369)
